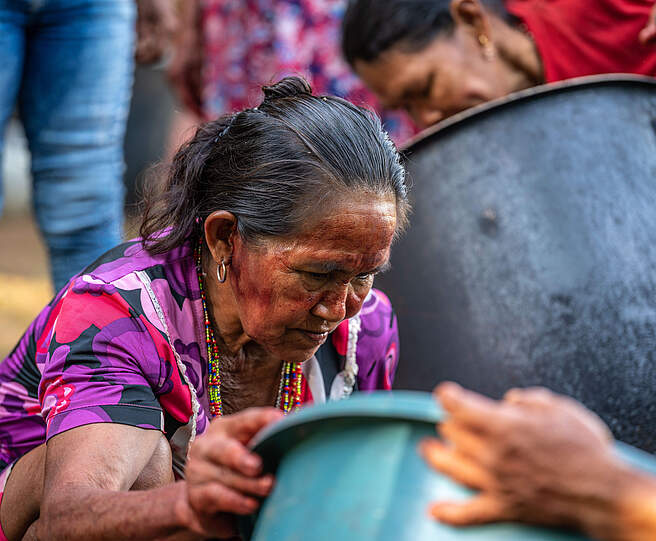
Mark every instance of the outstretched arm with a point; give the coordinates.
(538, 458)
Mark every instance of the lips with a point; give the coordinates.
(317, 337)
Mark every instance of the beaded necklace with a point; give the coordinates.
(291, 376)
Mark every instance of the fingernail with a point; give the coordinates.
(445, 391)
(250, 505)
(439, 510)
(251, 462)
(423, 446)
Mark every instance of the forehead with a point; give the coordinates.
(352, 234)
(397, 72)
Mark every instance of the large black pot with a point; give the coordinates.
(531, 256)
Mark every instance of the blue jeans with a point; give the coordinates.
(68, 65)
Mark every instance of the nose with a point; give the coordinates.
(425, 116)
(332, 306)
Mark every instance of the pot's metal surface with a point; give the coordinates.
(531, 256)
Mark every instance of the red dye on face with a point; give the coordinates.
(290, 293)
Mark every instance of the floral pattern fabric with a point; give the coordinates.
(124, 343)
(249, 43)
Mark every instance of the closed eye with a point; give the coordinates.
(314, 280)
(426, 90)
(416, 92)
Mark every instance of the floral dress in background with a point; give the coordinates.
(253, 42)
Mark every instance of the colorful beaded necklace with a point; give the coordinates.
(291, 377)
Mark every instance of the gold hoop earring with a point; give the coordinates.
(221, 272)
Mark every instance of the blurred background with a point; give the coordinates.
(25, 285)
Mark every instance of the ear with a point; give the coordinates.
(220, 231)
(471, 15)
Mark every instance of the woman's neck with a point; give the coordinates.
(253, 382)
(223, 313)
(249, 375)
(516, 48)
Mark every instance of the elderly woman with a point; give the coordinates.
(251, 286)
(435, 58)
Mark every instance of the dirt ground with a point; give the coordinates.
(25, 286)
(24, 278)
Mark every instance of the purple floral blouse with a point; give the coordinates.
(123, 342)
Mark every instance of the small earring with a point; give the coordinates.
(488, 48)
(221, 272)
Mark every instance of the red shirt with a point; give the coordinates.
(586, 37)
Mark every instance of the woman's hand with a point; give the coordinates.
(534, 456)
(648, 33)
(185, 69)
(156, 25)
(223, 477)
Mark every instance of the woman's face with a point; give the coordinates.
(449, 75)
(291, 293)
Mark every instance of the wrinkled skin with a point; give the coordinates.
(540, 458)
(284, 296)
(123, 474)
(223, 477)
(281, 299)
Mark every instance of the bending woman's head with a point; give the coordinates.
(435, 58)
(301, 198)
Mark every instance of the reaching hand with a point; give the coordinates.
(157, 23)
(534, 456)
(648, 33)
(185, 69)
(223, 476)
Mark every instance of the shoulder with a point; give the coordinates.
(111, 302)
(378, 343)
(131, 257)
(377, 324)
(377, 315)
(130, 274)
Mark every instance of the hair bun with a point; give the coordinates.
(289, 87)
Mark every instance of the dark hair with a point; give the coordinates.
(272, 166)
(371, 27)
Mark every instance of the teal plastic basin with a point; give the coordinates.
(350, 470)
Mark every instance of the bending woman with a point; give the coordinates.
(251, 286)
(435, 58)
